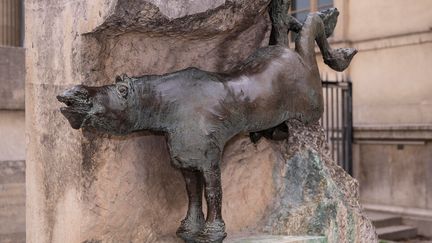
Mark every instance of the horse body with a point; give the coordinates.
(203, 110)
(261, 93)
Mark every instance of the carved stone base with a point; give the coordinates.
(292, 187)
(278, 239)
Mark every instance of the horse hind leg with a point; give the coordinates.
(338, 59)
(214, 228)
(329, 18)
(194, 220)
(318, 27)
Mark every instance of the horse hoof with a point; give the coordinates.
(339, 59)
(189, 228)
(329, 18)
(213, 232)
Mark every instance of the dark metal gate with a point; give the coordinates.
(337, 121)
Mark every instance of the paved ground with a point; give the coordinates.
(419, 239)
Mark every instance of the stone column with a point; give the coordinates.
(10, 22)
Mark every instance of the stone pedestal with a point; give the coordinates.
(279, 239)
(86, 187)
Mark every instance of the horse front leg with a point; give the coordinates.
(194, 221)
(214, 229)
(318, 27)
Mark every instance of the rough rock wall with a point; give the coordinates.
(89, 187)
(84, 187)
(314, 196)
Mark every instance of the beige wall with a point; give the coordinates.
(391, 74)
(393, 85)
(403, 178)
(377, 19)
(392, 101)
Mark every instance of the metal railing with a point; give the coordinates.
(337, 121)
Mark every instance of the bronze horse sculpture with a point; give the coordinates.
(200, 111)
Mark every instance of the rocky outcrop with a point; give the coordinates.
(313, 195)
(153, 37)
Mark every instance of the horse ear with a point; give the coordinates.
(118, 79)
(121, 78)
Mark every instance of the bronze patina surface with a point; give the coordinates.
(199, 111)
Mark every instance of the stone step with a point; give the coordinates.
(398, 232)
(278, 239)
(381, 220)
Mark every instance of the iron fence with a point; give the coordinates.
(337, 121)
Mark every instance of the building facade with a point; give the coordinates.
(392, 103)
(12, 122)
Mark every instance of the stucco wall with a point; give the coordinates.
(391, 74)
(392, 85)
(377, 19)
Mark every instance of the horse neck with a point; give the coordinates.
(305, 47)
(150, 105)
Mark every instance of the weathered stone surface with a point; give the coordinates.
(313, 195)
(137, 38)
(84, 187)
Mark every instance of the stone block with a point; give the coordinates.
(402, 173)
(12, 77)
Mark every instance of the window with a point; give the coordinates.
(301, 8)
